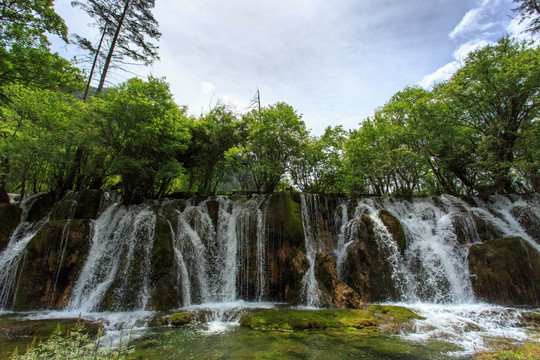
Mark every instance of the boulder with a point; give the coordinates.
(368, 271)
(10, 216)
(394, 228)
(340, 295)
(52, 264)
(506, 271)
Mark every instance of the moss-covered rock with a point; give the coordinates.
(291, 319)
(285, 247)
(505, 271)
(53, 261)
(180, 318)
(394, 228)
(79, 205)
(165, 293)
(10, 216)
(368, 271)
(340, 295)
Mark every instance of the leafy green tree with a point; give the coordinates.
(495, 95)
(145, 133)
(318, 166)
(126, 27)
(212, 135)
(379, 161)
(275, 135)
(41, 132)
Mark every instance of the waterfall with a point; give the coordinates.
(215, 252)
(10, 258)
(310, 208)
(119, 260)
(344, 238)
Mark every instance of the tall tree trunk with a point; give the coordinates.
(111, 49)
(94, 63)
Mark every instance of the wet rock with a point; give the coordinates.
(52, 263)
(285, 247)
(80, 205)
(339, 294)
(180, 318)
(506, 271)
(528, 220)
(10, 216)
(368, 271)
(165, 293)
(394, 228)
(485, 229)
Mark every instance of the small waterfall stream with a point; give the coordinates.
(13, 254)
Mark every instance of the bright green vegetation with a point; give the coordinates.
(65, 340)
(397, 312)
(278, 319)
(477, 133)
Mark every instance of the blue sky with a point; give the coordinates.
(333, 61)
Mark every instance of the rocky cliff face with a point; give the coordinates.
(88, 251)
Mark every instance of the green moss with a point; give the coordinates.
(180, 318)
(398, 312)
(276, 319)
(529, 351)
(293, 217)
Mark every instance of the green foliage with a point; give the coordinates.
(275, 136)
(41, 131)
(318, 166)
(474, 134)
(212, 135)
(529, 10)
(75, 344)
(145, 133)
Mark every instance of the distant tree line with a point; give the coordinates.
(477, 133)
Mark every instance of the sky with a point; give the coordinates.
(334, 61)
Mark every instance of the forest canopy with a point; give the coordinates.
(474, 134)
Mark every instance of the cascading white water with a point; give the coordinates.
(120, 256)
(341, 222)
(310, 209)
(10, 258)
(215, 255)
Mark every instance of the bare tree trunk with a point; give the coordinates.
(111, 49)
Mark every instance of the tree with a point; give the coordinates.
(275, 135)
(529, 10)
(145, 133)
(496, 95)
(212, 135)
(41, 132)
(318, 166)
(124, 27)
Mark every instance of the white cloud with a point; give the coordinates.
(471, 22)
(463, 51)
(442, 74)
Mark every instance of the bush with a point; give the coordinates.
(75, 344)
